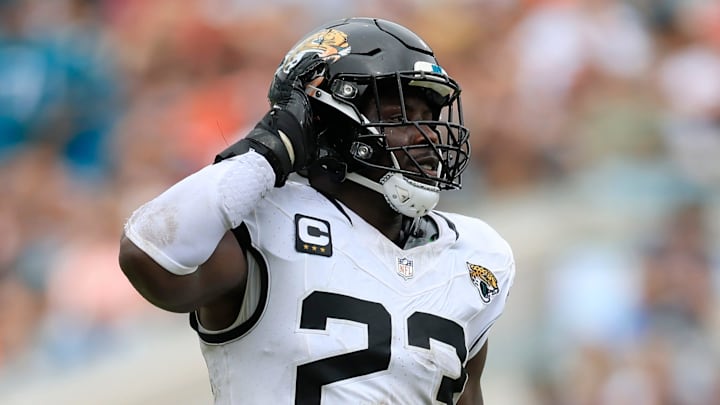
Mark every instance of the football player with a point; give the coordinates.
(347, 286)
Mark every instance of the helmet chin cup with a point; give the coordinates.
(408, 197)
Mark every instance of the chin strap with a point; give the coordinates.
(408, 197)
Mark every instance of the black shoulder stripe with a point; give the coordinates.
(243, 237)
(450, 224)
(336, 204)
(482, 335)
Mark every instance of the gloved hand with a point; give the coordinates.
(295, 74)
(285, 136)
(287, 95)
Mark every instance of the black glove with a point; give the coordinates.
(295, 74)
(290, 115)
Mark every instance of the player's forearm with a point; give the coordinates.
(181, 228)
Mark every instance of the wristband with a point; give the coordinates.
(181, 227)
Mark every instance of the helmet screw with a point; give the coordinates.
(361, 150)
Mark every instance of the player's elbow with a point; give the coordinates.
(155, 284)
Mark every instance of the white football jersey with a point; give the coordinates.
(336, 313)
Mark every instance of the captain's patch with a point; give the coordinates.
(312, 235)
(484, 280)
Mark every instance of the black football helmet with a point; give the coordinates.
(365, 58)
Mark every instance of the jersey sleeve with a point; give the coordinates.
(489, 315)
(489, 261)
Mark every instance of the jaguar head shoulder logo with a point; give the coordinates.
(484, 280)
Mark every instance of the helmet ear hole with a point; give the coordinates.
(336, 134)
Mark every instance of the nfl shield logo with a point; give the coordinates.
(405, 267)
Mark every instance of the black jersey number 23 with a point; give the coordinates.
(319, 306)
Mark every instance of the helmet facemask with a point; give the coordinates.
(360, 140)
(439, 154)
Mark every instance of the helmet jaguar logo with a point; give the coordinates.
(484, 280)
(330, 44)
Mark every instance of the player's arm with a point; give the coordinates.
(177, 249)
(472, 395)
(223, 272)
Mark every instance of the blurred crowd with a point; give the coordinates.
(599, 118)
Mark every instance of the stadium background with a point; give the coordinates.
(596, 135)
